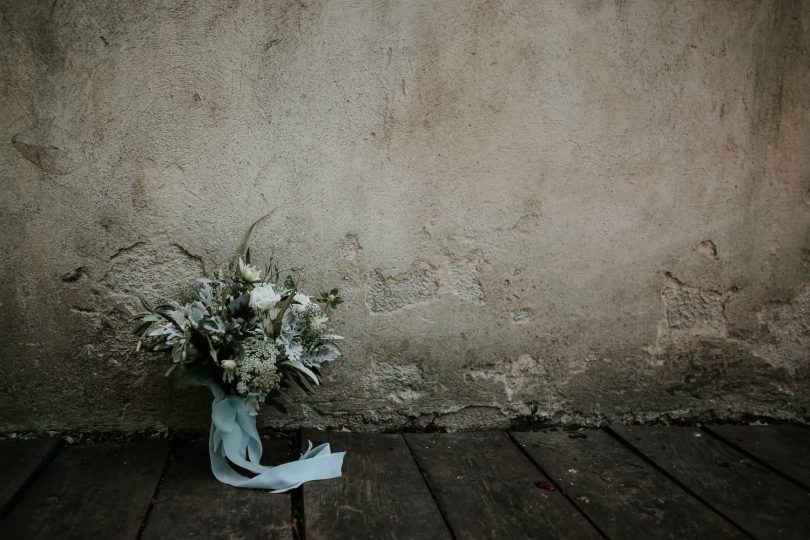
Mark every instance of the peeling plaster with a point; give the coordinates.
(153, 270)
(391, 293)
(51, 148)
(464, 281)
(424, 283)
(500, 204)
(693, 309)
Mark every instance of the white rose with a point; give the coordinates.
(263, 298)
(249, 272)
(300, 302)
(228, 364)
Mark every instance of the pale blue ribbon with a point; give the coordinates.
(234, 438)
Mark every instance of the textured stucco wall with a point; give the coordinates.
(571, 211)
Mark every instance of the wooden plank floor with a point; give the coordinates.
(620, 491)
(620, 483)
(381, 495)
(487, 488)
(747, 493)
(221, 511)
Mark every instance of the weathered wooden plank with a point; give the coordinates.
(381, 495)
(487, 488)
(193, 504)
(20, 460)
(620, 492)
(761, 502)
(785, 447)
(99, 491)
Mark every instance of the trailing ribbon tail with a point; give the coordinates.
(234, 438)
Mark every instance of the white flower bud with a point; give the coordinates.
(249, 272)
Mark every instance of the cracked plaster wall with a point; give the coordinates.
(555, 211)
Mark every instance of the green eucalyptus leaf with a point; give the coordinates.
(141, 328)
(239, 303)
(211, 350)
(241, 251)
(303, 369)
(300, 381)
(167, 311)
(147, 305)
(325, 353)
(282, 309)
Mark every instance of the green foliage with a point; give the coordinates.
(205, 329)
(243, 251)
(330, 299)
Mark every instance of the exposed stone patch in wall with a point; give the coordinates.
(785, 329)
(521, 315)
(50, 148)
(423, 283)
(515, 376)
(444, 417)
(707, 248)
(694, 310)
(472, 417)
(695, 357)
(464, 280)
(155, 271)
(349, 247)
(399, 383)
(385, 294)
(714, 369)
(720, 371)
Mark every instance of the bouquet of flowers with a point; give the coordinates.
(247, 336)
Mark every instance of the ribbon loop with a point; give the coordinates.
(234, 439)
